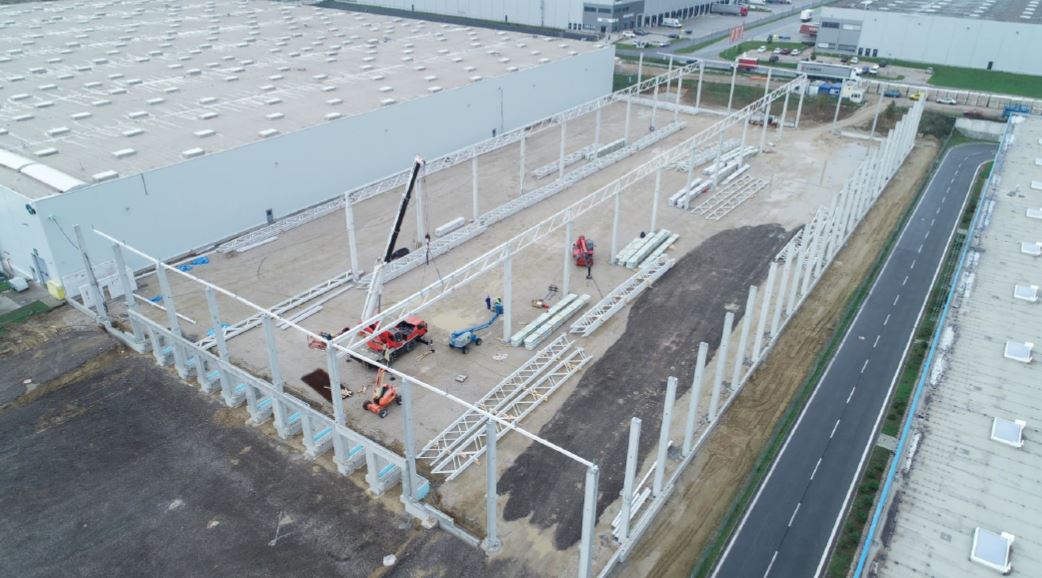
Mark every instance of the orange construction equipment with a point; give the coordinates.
(384, 394)
(582, 251)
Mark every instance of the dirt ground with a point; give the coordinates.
(661, 326)
(677, 539)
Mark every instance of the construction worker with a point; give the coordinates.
(488, 302)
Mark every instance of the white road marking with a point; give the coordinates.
(876, 342)
(864, 366)
(937, 212)
(887, 320)
(905, 282)
(849, 396)
(932, 221)
(815, 472)
(912, 266)
(793, 517)
(834, 429)
(771, 564)
(927, 236)
(896, 299)
(920, 249)
(943, 199)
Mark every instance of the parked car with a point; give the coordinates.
(916, 96)
(795, 52)
(874, 69)
(784, 37)
(687, 31)
(640, 44)
(628, 34)
(892, 93)
(773, 58)
(854, 60)
(929, 70)
(674, 36)
(662, 43)
(844, 59)
(777, 51)
(947, 101)
(883, 64)
(640, 32)
(762, 49)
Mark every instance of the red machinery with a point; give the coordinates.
(392, 343)
(582, 251)
(384, 394)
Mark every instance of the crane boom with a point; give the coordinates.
(376, 283)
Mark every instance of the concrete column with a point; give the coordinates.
(421, 210)
(352, 240)
(730, 95)
(508, 308)
(491, 543)
(745, 129)
(799, 107)
(560, 158)
(839, 103)
(808, 258)
(615, 227)
(691, 165)
(721, 365)
(474, 189)
(696, 396)
(569, 238)
(766, 122)
(92, 280)
(765, 306)
(783, 290)
(171, 318)
(663, 436)
(335, 391)
(222, 345)
(879, 107)
(597, 130)
(698, 89)
(676, 101)
(632, 458)
(640, 70)
(784, 115)
(521, 180)
(128, 293)
(589, 522)
(797, 271)
(716, 161)
(654, 108)
(409, 475)
(626, 127)
(743, 339)
(273, 354)
(655, 199)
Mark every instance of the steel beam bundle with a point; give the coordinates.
(569, 160)
(622, 295)
(729, 197)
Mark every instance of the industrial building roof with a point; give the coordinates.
(972, 488)
(1025, 11)
(91, 90)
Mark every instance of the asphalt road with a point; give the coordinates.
(790, 523)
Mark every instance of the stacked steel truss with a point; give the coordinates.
(729, 197)
(622, 295)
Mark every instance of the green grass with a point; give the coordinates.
(987, 81)
(738, 49)
(4, 285)
(22, 314)
(864, 499)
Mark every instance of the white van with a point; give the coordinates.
(672, 23)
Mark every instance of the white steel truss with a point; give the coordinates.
(472, 421)
(492, 259)
(441, 163)
(513, 412)
(737, 195)
(569, 160)
(620, 296)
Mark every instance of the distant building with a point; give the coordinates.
(577, 15)
(996, 35)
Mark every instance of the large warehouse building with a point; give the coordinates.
(993, 34)
(181, 124)
(577, 15)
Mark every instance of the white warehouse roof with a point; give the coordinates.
(91, 90)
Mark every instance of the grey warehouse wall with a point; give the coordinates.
(20, 234)
(172, 210)
(1009, 46)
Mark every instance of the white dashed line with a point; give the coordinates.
(887, 320)
(876, 342)
(896, 299)
(864, 366)
(812, 474)
(905, 282)
(771, 564)
(920, 249)
(927, 236)
(793, 517)
(937, 212)
(932, 221)
(834, 429)
(849, 396)
(912, 266)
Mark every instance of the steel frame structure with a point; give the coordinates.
(494, 258)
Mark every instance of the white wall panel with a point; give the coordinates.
(172, 210)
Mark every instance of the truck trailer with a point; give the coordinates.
(806, 15)
(824, 70)
(733, 9)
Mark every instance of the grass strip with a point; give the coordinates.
(22, 314)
